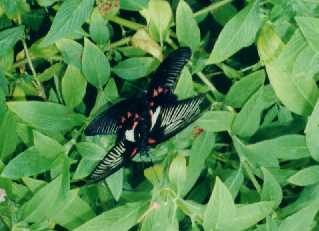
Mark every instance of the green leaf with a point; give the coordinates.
(271, 190)
(121, 218)
(199, 152)
(177, 172)
(133, 5)
(46, 116)
(71, 51)
(245, 152)
(14, 8)
(184, 21)
(247, 121)
(242, 90)
(73, 86)
(69, 19)
(44, 204)
(216, 121)
(115, 183)
(288, 147)
(135, 68)
(238, 33)
(98, 29)
(184, 88)
(251, 214)
(306, 176)
(95, 66)
(9, 38)
(219, 209)
(309, 27)
(28, 163)
(235, 181)
(74, 213)
(302, 220)
(297, 93)
(90, 151)
(8, 136)
(158, 16)
(312, 133)
(46, 145)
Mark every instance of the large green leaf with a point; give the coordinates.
(298, 93)
(73, 86)
(95, 66)
(219, 209)
(46, 116)
(135, 68)
(68, 20)
(8, 136)
(120, 218)
(238, 33)
(184, 21)
(9, 37)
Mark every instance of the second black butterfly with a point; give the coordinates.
(141, 123)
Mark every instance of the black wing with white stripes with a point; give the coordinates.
(175, 117)
(107, 122)
(169, 70)
(113, 160)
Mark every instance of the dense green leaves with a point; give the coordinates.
(248, 162)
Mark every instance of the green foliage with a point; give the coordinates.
(248, 163)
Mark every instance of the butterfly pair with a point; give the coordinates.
(143, 122)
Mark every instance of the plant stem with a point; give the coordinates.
(37, 84)
(120, 42)
(125, 23)
(212, 88)
(251, 175)
(211, 7)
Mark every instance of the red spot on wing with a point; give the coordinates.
(151, 141)
(134, 125)
(198, 131)
(155, 93)
(134, 152)
(129, 114)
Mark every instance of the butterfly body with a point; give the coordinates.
(143, 122)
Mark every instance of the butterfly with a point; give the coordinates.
(143, 122)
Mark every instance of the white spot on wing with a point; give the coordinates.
(129, 135)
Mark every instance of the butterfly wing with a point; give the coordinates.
(113, 160)
(106, 123)
(177, 116)
(169, 70)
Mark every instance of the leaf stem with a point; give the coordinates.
(211, 7)
(120, 42)
(212, 88)
(251, 175)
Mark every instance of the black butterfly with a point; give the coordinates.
(141, 123)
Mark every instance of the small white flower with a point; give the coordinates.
(3, 195)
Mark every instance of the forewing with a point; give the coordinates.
(175, 117)
(169, 70)
(113, 160)
(107, 122)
